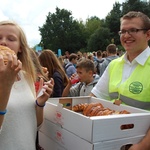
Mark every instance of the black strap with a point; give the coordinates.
(67, 66)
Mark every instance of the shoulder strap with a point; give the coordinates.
(79, 88)
(67, 66)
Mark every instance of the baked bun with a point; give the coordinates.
(80, 107)
(4, 50)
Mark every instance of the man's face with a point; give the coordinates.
(84, 75)
(74, 61)
(133, 42)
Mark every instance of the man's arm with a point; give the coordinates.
(91, 94)
(67, 89)
(144, 144)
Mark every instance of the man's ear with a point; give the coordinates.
(90, 72)
(148, 35)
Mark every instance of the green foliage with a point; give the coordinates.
(92, 24)
(113, 22)
(61, 30)
(99, 40)
(136, 5)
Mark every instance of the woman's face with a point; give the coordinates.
(9, 37)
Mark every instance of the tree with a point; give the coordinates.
(112, 22)
(92, 24)
(61, 31)
(136, 5)
(99, 40)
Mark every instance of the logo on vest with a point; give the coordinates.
(136, 87)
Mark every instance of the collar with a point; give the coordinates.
(141, 58)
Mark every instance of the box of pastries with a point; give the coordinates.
(97, 120)
(52, 136)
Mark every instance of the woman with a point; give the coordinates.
(21, 113)
(49, 60)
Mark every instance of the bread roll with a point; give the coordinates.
(79, 107)
(89, 108)
(4, 50)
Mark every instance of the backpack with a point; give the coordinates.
(98, 66)
(67, 66)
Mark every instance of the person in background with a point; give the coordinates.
(126, 78)
(99, 60)
(40, 73)
(66, 57)
(49, 60)
(70, 68)
(104, 54)
(21, 112)
(85, 55)
(80, 55)
(111, 55)
(94, 56)
(86, 77)
(61, 60)
(90, 56)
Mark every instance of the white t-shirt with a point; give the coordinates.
(20, 124)
(101, 89)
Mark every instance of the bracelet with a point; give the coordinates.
(38, 104)
(3, 112)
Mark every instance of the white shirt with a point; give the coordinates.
(101, 89)
(20, 124)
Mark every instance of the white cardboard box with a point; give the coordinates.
(48, 144)
(70, 141)
(100, 128)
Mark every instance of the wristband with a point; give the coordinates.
(3, 112)
(38, 104)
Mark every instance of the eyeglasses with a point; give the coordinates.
(131, 31)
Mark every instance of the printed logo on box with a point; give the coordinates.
(58, 118)
(59, 137)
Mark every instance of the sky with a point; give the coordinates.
(31, 14)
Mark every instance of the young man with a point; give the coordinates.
(98, 61)
(85, 70)
(70, 66)
(111, 55)
(125, 78)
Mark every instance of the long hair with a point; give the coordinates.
(38, 67)
(24, 55)
(49, 60)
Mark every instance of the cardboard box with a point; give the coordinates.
(70, 141)
(100, 128)
(48, 144)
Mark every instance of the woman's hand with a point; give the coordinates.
(8, 75)
(47, 90)
(9, 71)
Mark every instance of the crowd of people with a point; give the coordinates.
(104, 74)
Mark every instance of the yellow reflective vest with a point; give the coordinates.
(135, 91)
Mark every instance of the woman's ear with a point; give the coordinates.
(20, 50)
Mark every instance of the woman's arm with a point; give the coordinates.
(8, 75)
(40, 102)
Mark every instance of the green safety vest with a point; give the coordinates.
(135, 91)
